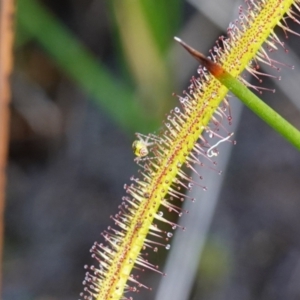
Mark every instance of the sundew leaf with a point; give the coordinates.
(162, 180)
(266, 113)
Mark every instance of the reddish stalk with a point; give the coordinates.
(7, 8)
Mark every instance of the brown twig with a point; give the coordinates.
(7, 8)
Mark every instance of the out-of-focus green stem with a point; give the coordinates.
(118, 100)
(147, 64)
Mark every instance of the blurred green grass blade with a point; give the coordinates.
(164, 18)
(81, 66)
(116, 38)
(149, 67)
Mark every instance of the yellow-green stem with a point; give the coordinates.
(163, 172)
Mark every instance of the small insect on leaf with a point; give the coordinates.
(140, 146)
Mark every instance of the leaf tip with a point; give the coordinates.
(214, 68)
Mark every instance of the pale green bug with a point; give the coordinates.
(140, 146)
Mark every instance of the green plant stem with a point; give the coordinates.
(271, 117)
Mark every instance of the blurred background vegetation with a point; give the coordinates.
(90, 73)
